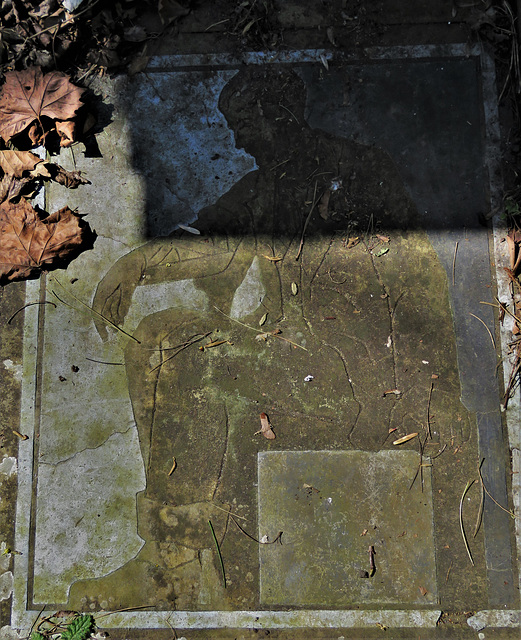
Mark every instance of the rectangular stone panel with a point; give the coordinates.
(332, 506)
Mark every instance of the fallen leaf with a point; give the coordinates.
(11, 188)
(30, 243)
(406, 438)
(382, 252)
(266, 429)
(15, 163)
(383, 238)
(364, 533)
(423, 591)
(352, 242)
(263, 319)
(28, 96)
(70, 179)
(294, 288)
(66, 130)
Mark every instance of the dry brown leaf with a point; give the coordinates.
(423, 591)
(66, 129)
(406, 438)
(70, 179)
(14, 163)
(29, 244)
(11, 187)
(27, 96)
(266, 429)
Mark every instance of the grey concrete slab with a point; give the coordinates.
(334, 506)
(100, 523)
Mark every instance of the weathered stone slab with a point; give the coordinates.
(332, 506)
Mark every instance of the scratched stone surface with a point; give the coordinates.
(333, 506)
(313, 293)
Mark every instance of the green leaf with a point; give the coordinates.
(37, 636)
(382, 252)
(79, 629)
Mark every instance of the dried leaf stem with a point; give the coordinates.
(277, 539)
(454, 265)
(197, 338)
(510, 513)
(314, 204)
(462, 528)
(218, 551)
(488, 330)
(257, 331)
(479, 517)
(97, 313)
(29, 304)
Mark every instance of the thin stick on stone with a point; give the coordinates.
(467, 487)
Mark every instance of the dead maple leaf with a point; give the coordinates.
(23, 166)
(11, 188)
(266, 429)
(15, 163)
(30, 243)
(28, 96)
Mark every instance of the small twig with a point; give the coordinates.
(314, 204)
(290, 112)
(217, 23)
(419, 470)
(120, 364)
(448, 571)
(488, 330)
(257, 331)
(277, 539)
(499, 305)
(174, 465)
(467, 487)
(226, 511)
(429, 411)
(454, 265)
(439, 452)
(100, 315)
(510, 513)
(481, 503)
(196, 338)
(36, 620)
(62, 24)
(218, 551)
(22, 436)
(29, 304)
(110, 613)
(279, 164)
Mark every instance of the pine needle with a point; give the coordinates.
(218, 551)
(467, 487)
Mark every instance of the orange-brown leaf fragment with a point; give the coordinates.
(266, 429)
(28, 96)
(30, 243)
